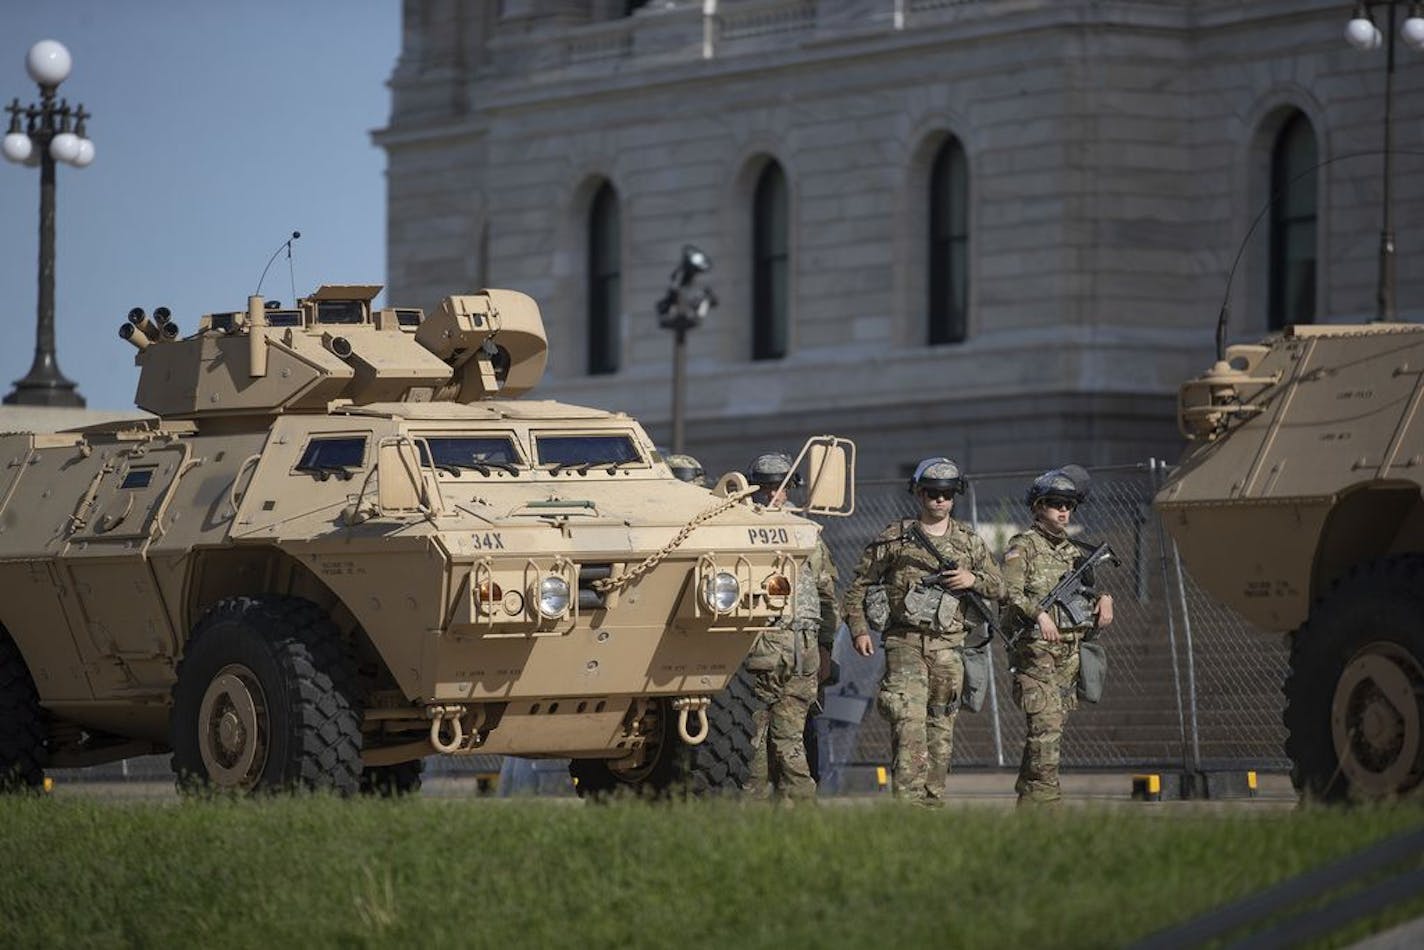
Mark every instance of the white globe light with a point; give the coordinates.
(64, 147)
(48, 62)
(17, 146)
(86, 154)
(1413, 32)
(1361, 34)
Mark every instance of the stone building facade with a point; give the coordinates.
(1095, 167)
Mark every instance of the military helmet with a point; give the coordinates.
(938, 472)
(1069, 483)
(769, 469)
(687, 468)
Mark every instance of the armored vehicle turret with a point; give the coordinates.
(1298, 504)
(344, 545)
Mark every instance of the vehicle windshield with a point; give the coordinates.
(566, 451)
(480, 453)
(327, 456)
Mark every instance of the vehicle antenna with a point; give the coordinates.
(288, 245)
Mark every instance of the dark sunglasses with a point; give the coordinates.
(1061, 504)
(939, 494)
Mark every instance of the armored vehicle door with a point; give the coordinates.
(125, 634)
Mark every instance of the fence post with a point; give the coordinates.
(1155, 466)
(1191, 658)
(993, 688)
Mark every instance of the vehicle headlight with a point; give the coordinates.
(488, 594)
(720, 592)
(553, 597)
(777, 585)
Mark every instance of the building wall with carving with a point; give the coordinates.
(1117, 153)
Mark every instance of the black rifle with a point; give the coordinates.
(973, 597)
(1071, 594)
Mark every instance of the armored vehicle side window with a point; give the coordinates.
(137, 478)
(340, 456)
(284, 318)
(455, 453)
(339, 311)
(562, 451)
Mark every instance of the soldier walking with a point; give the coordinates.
(784, 661)
(924, 671)
(1045, 657)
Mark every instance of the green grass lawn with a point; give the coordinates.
(314, 870)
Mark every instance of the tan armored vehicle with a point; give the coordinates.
(1298, 504)
(345, 544)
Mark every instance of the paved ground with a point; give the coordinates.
(990, 789)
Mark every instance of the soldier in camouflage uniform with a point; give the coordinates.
(687, 468)
(784, 661)
(924, 671)
(1045, 656)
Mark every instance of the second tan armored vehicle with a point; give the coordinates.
(1298, 504)
(345, 544)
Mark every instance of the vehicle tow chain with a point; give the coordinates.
(651, 561)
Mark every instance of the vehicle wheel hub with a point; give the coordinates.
(232, 728)
(1375, 721)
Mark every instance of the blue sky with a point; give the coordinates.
(219, 128)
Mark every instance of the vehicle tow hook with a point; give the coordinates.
(685, 705)
(439, 716)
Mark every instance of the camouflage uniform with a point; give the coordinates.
(1045, 674)
(924, 672)
(784, 662)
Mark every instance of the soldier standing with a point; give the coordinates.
(924, 672)
(784, 661)
(1045, 655)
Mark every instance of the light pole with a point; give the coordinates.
(682, 308)
(1362, 34)
(52, 132)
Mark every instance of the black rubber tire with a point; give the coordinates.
(1377, 606)
(312, 734)
(716, 766)
(23, 736)
(392, 781)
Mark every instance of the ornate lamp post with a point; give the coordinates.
(1362, 34)
(682, 308)
(51, 132)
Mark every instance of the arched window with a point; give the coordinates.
(771, 265)
(949, 245)
(605, 279)
(1291, 297)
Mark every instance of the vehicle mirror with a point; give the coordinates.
(399, 484)
(830, 475)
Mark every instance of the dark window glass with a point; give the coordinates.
(1293, 218)
(949, 245)
(409, 318)
(339, 311)
(284, 318)
(771, 265)
(138, 478)
(586, 449)
(338, 456)
(464, 451)
(604, 283)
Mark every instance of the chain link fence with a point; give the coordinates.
(1190, 684)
